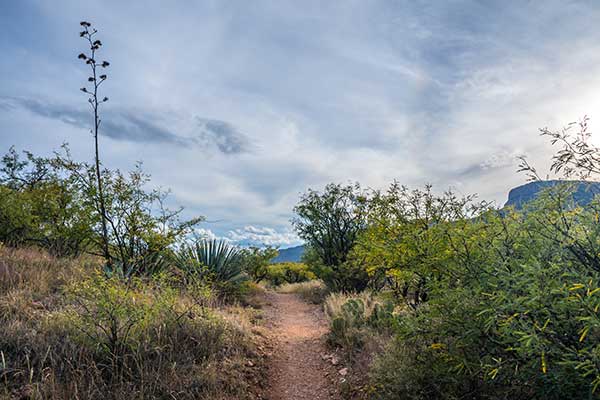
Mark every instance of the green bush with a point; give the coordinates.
(288, 272)
(256, 261)
(39, 206)
(349, 276)
(330, 223)
(52, 203)
(531, 333)
(510, 313)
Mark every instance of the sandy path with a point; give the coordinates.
(297, 370)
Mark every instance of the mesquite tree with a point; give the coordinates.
(330, 222)
(95, 80)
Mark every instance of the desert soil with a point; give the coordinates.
(298, 369)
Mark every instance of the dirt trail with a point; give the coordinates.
(297, 370)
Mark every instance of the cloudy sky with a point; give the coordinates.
(240, 106)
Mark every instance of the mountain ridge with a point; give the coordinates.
(290, 254)
(520, 195)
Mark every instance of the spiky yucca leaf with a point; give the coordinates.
(218, 260)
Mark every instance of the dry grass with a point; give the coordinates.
(334, 302)
(37, 271)
(356, 340)
(313, 291)
(57, 319)
(253, 295)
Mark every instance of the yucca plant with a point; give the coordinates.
(216, 261)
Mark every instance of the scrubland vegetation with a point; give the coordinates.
(313, 291)
(471, 301)
(159, 321)
(69, 331)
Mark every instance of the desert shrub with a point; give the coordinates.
(498, 304)
(415, 237)
(39, 206)
(356, 317)
(288, 272)
(399, 372)
(256, 261)
(511, 313)
(52, 203)
(330, 222)
(100, 337)
(350, 276)
(112, 314)
(251, 295)
(141, 232)
(313, 291)
(521, 336)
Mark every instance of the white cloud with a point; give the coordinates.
(207, 234)
(254, 236)
(444, 93)
(263, 236)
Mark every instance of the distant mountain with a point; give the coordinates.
(291, 254)
(519, 196)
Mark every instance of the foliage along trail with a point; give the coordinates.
(298, 370)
